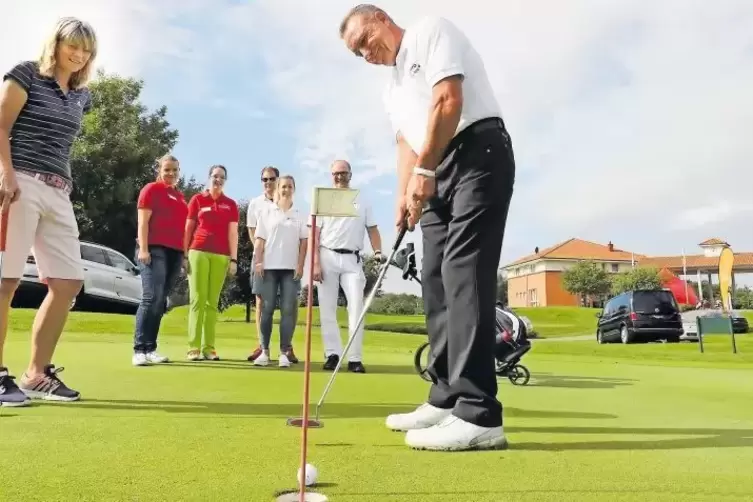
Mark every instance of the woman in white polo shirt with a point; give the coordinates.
(280, 252)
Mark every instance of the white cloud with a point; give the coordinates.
(620, 111)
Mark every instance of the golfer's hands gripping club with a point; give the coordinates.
(9, 191)
(420, 190)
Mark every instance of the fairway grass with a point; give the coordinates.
(654, 422)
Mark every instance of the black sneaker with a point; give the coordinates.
(49, 387)
(356, 367)
(10, 394)
(331, 363)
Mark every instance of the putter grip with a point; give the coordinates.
(4, 230)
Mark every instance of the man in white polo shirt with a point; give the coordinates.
(257, 206)
(338, 262)
(456, 173)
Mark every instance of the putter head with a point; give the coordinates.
(298, 422)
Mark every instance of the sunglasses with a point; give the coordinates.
(264, 180)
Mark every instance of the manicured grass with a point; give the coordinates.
(639, 422)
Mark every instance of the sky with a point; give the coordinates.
(630, 119)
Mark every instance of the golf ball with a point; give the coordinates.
(311, 475)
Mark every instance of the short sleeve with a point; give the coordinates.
(193, 208)
(251, 217)
(304, 228)
(441, 47)
(146, 197)
(23, 74)
(368, 216)
(261, 229)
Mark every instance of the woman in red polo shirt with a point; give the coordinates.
(162, 212)
(211, 247)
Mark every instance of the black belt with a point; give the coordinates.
(345, 251)
(477, 127)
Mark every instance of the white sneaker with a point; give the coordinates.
(424, 416)
(263, 359)
(284, 362)
(455, 434)
(154, 357)
(139, 359)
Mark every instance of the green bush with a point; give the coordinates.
(398, 304)
(398, 327)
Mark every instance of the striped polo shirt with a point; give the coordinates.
(42, 135)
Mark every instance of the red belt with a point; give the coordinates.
(49, 179)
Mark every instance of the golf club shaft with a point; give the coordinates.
(361, 318)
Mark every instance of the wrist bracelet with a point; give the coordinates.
(423, 172)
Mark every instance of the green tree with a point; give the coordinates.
(638, 278)
(501, 289)
(113, 158)
(586, 279)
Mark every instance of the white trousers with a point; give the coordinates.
(340, 270)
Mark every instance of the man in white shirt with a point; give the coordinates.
(456, 174)
(338, 262)
(257, 206)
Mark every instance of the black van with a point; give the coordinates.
(640, 315)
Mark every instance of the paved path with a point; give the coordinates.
(575, 338)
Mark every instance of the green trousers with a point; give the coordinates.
(208, 273)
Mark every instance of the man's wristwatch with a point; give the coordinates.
(424, 172)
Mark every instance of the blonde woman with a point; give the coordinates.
(211, 253)
(280, 253)
(162, 212)
(41, 107)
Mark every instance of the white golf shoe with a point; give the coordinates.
(424, 416)
(156, 358)
(455, 434)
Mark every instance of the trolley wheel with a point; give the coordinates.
(519, 375)
(417, 361)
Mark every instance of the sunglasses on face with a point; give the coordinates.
(264, 180)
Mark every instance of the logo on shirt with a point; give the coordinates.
(224, 206)
(415, 68)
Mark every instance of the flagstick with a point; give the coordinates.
(307, 363)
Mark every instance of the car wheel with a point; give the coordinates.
(673, 339)
(625, 335)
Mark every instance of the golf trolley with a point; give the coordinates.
(511, 341)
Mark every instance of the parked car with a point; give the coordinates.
(640, 315)
(690, 328)
(109, 277)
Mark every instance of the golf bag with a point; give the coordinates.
(511, 339)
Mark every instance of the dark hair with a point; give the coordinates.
(271, 168)
(218, 166)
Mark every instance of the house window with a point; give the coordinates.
(533, 293)
(615, 267)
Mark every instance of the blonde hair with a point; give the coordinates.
(165, 158)
(69, 29)
(279, 184)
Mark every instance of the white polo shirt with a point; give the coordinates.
(433, 49)
(282, 232)
(256, 207)
(340, 232)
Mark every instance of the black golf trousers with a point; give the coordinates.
(463, 228)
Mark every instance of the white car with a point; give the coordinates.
(690, 326)
(109, 277)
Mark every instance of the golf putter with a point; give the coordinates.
(362, 317)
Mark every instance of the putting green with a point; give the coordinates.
(647, 422)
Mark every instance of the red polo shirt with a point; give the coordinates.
(169, 211)
(213, 218)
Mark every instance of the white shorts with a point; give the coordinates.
(42, 222)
